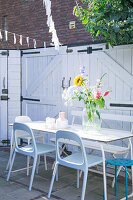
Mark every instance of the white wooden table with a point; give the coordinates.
(104, 136)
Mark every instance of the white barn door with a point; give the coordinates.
(3, 95)
(118, 66)
(76, 60)
(42, 75)
(45, 72)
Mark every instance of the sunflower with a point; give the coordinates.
(78, 80)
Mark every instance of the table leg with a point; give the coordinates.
(104, 173)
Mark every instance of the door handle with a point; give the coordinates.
(65, 85)
(70, 81)
(63, 81)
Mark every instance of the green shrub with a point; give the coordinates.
(109, 20)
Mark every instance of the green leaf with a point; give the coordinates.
(98, 114)
(89, 115)
(97, 33)
(85, 21)
(79, 98)
(108, 20)
(100, 102)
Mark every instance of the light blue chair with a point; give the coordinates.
(22, 135)
(34, 149)
(79, 160)
(120, 162)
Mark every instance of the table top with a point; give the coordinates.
(105, 135)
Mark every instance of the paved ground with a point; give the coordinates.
(64, 189)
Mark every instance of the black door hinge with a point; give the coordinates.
(29, 99)
(5, 53)
(89, 50)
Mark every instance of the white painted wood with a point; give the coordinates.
(125, 118)
(3, 104)
(43, 74)
(105, 135)
(96, 146)
(42, 77)
(106, 116)
(116, 67)
(14, 86)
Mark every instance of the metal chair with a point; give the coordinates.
(22, 135)
(34, 149)
(120, 162)
(79, 160)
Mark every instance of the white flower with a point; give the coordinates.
(68, 94)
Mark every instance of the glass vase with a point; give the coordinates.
(92, 124)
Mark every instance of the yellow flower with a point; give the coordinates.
(78, 80)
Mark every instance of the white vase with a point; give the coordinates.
(93, 124)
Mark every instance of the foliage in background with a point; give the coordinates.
(110, 20)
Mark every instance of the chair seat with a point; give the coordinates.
(77, 158)
(120, 162)
(41, 148)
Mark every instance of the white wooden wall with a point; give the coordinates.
(119, 77)
(3, 103)
(42, 76)
(14, 86)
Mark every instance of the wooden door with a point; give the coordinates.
(117, 64)
(3, 96)
(42, 75)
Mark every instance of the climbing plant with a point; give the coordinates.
(110, 20)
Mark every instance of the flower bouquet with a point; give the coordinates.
(92, 96)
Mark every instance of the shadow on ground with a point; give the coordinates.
(64, 189)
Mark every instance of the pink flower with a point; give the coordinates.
(106, 93)
(96, 94)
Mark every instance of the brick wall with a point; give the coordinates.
(28, 17)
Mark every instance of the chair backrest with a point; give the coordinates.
(22, 119)
(76, 113)
(124, 118)
(17, 126)
(106, 116)
(76, 138)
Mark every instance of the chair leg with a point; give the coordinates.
(11, 165)
(39, 157)
(45, 158)
(126, 183)
(115, 180)
(28, 160)
(84, 185)
(12, 147)
(37, 165)
(45, 161)
(77, 178)
(57, 174)
(52, 180)
(119, 169)
(33, 172)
